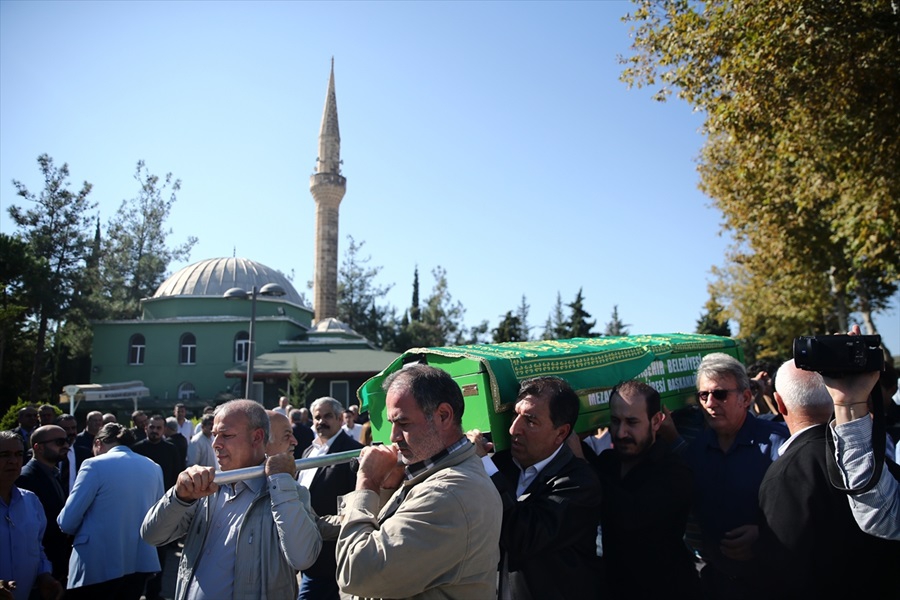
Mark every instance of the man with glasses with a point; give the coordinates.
(49, 445)
(23, 565)
(729, 460)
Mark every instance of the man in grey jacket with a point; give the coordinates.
(244, 540)
(427, 527)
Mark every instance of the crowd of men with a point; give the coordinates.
(709, 502)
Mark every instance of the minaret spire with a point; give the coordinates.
(327, 187)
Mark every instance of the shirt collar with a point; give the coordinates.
(420, 467)
(783, 448)
(537, 467)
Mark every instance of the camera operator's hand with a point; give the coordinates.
(851, 392)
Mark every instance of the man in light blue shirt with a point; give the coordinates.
(244, 540)
(23, 563)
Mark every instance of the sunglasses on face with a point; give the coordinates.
(58, 441)
(719, 395)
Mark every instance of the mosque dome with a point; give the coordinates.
(214, 276)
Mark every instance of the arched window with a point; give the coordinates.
(188, 354)
(136, 347)
(241, 347)
(187, 391)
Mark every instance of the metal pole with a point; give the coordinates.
(251, 346)
(223, 477)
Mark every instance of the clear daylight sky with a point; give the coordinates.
(491, 138)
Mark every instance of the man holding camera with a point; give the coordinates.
(876, 511)
(808, 533)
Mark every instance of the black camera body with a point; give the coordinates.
(837, 355)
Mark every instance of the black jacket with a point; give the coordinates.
(327, 484)
(549, 533)
(643, 518)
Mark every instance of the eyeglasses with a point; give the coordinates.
(58, 441)
(719, 395)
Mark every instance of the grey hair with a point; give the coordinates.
(336, 407)
(799, 388)
(253, 410)
(430, 387)
(172, 424)
(718, 363)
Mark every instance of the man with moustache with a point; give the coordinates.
(427, 528)
(244, 540)
(168, 457)
(325, 485)
(646, 500)
(49, 445)
(71, 462)
(551, 498)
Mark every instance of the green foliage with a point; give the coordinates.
(56, 230)
(713, 320)
(509, 329)
(577, 325)
(441, 319)
(359, 297)
(615, 325)
(136, 255)
(300, 386)
(802, 154)
(555, 328)
(10, 419)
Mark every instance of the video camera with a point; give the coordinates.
(839, 355)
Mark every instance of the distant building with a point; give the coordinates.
(191, 344)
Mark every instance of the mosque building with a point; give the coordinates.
(192, 343)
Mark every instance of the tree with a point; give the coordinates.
(56, 230)
(577, 325)
(414, 312)
(136, 255)
(522, 313)
(713, 321)
(509, 329)
(299, 386)
(358, 295)
(21, 275)
(555, 328)
(441, 322)
(802, 154)
(615, 325)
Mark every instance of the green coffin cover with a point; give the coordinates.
(592, 366)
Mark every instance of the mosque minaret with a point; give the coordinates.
(327, 187)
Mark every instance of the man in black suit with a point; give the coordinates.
(809, 537)
(49, 444)
(647, 492)
(551, 498)
(325, 485)
(69, 465)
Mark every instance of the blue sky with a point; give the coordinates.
(492, 139)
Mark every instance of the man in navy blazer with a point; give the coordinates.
(49, 444)
(325, 485)
(75, 456)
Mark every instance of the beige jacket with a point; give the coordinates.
(437, 537)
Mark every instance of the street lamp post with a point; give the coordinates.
(270, 289)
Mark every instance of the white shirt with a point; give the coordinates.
(353, 432)
(526, 476)
(186, 429)
(317, 448)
